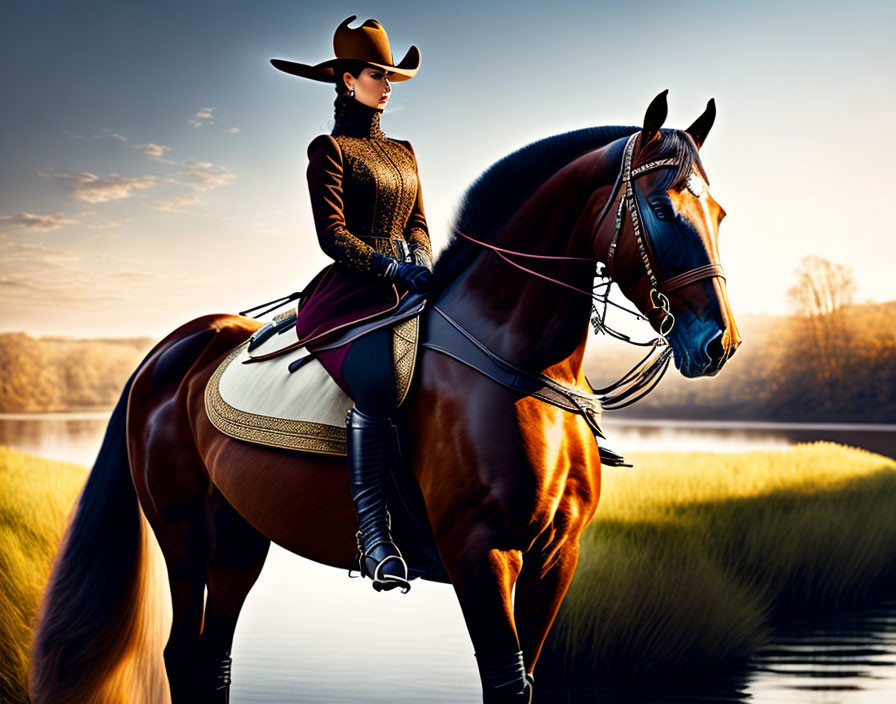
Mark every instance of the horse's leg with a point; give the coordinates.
(483, 577)
(173, 488)
(235, 564)
(539, 592)
(186, 552)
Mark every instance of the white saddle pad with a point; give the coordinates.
(305, 410)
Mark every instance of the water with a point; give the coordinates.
(309, 634)
(849, 658)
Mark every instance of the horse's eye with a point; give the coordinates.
(663, 211)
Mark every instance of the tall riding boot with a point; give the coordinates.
(369, 440)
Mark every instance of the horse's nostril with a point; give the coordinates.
(715, 349)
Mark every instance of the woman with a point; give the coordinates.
(368, 212)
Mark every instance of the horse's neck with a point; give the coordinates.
(529, 321)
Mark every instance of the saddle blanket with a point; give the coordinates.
(264, 403)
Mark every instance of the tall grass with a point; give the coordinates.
(693, 556)
(35, 499)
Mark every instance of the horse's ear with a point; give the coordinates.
(654, 118)
(701, 125)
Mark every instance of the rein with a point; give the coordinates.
(644, 376)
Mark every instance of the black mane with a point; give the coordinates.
(509, 181)
(505, 184)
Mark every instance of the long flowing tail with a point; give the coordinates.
(101, 624)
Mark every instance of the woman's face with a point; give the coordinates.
(371, 87)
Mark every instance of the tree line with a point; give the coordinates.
(63, 374)
(831, 360)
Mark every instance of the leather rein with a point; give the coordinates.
(645, 375)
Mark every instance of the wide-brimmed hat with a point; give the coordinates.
(367, 43)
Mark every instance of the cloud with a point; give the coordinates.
(176, 204)
(106, 224)
(36, 223)
(156, 151)
(233, 130)
(115, 135)
(35, 255)
(37, 290)
(202, 117)
(94, 189)
(204, 176)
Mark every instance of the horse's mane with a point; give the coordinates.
(510, 180)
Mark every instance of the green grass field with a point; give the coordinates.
(692, 557)
(35, 499)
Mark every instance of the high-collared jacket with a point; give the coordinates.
(365, 197)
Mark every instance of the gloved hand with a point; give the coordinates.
(405, 274)
(411, 276)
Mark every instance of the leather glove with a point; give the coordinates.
(412, 276)
(409, 276)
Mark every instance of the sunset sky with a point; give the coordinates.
(152, 162)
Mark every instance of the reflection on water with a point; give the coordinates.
(849, 658)
(70, 437)
(308, 633)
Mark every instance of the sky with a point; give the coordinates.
(152, 161)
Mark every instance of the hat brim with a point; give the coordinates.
(405, 69)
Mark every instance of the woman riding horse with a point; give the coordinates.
(368, 212)
(509, 481)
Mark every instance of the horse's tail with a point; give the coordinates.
(100, 628)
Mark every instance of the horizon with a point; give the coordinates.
(596, 341)
(153, 159)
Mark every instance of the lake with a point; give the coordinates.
(310, 634)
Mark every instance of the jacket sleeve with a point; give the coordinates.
(416, 229)
(325, 172)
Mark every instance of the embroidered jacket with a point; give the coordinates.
(365, 191)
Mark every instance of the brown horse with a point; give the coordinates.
(509, 482)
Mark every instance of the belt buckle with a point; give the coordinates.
(406, 255)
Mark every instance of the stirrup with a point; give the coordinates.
(386, 583)
(381, 582)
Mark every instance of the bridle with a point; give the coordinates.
(658, 300)
(644, 377)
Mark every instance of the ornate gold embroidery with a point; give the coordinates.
(404, 355)
(380, 188)
(267, 430)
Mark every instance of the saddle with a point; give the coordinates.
(268, 392)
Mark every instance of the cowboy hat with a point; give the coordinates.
(367, 43)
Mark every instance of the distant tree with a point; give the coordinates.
(818, 296)
(822, 287)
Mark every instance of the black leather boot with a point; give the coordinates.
(369, 440)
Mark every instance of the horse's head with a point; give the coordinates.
(662, 248)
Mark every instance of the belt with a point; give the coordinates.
(389, 246)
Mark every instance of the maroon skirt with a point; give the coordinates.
(336, 298)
